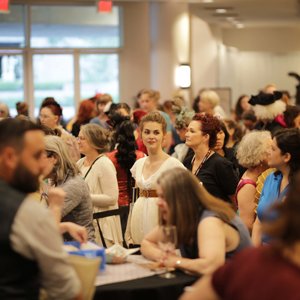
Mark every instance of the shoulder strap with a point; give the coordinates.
(90, 168)
(244, 182)
(240, 185)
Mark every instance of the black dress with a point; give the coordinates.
(217, 175)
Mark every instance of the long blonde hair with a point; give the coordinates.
(187, 199)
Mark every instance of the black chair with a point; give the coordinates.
(105, 214)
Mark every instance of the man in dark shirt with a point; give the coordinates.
(31, 254)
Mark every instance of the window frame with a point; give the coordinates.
(28, 53)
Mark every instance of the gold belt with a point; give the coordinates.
(148, 193)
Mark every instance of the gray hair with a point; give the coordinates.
(97, 137)
(253, 148)
(65, 166)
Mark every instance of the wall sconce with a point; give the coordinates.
(183, 76)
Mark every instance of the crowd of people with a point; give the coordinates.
(227, 183)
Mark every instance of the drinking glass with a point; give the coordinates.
(168, 245)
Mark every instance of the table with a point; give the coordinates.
(153, 287)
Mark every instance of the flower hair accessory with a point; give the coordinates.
(183, 118)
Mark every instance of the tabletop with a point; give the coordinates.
(152, 287)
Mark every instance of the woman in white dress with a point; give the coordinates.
(144, 215)
(100, 175)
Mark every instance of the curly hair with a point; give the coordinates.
(126, 147)
(209, 125)
(253, 148)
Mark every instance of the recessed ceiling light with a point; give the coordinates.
(221, 10)
(207, 1)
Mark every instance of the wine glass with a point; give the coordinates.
(168, 245)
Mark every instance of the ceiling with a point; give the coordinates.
(250, 13)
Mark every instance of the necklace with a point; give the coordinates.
(202, 162)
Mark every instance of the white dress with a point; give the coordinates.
(144, 215)
(103, 186)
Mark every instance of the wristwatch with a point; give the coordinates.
(178, 263)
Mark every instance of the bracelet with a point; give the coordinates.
(178, 263)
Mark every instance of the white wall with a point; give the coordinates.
(264, 57)
(169, 44)
(204, 55)
(279, 40)
(248, 71)
(156, 40)
(135, 55)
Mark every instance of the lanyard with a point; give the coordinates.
(202, 162)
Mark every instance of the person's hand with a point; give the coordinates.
(56, 197)
(77, 232)
(169, 260)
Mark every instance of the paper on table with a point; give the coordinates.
(138, 259)
(124, 272)
(120, 251)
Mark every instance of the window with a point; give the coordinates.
(74, 26)
(53, 76)
(12, 34)
(99, 74)
(11, 80)
(71, 54)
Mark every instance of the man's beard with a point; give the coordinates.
(24, 181)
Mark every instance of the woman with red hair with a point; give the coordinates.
(85, 113)
(214, 171)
